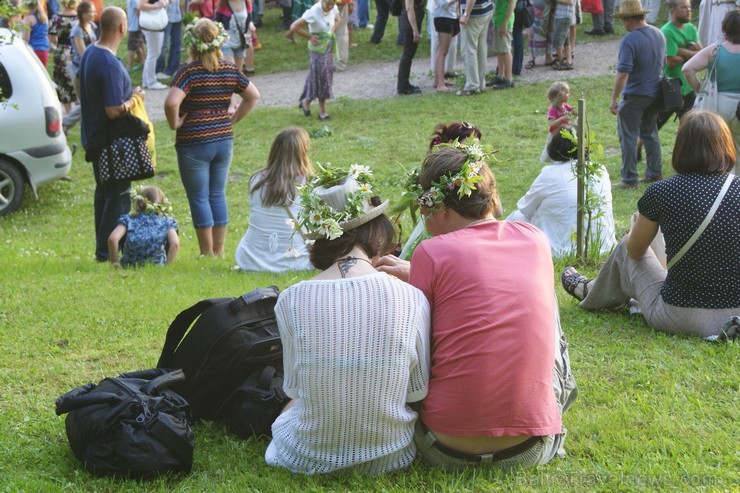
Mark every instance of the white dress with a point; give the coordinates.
(269, 244)
(355, 351)
(550, 204)
(711, 14)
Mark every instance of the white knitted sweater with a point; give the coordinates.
(356, 350)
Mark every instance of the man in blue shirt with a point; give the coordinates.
(105, 94)
(639, 64)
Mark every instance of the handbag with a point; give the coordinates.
(525, 12)
(671, 97)
(153, 20)
(124, 159)
(707, 97)
(130, 426)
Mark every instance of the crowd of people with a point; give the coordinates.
(468, 360)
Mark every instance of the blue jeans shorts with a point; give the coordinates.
(204, 169)
(235, 52)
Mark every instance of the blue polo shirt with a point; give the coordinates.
(104, 82)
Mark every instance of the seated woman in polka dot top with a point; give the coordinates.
(699, 293)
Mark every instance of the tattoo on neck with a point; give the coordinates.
(346, 264)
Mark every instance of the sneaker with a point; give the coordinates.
(163, 75)
(468, 92)
(504, 84)
(157, 86)
(409, 91)
(594, 32)
(651, 179)
(495, 81)
(623, 185)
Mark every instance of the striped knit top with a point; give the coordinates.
(207, 100)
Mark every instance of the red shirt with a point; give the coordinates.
(490, 287)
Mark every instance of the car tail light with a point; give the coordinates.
(53, 121)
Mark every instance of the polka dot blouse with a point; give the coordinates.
(707, 275)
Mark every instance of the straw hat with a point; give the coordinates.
(336, 198)
(340, 205)
(630, 8)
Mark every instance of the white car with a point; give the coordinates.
(33, 147)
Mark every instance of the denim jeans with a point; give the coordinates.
(111, 201)
(173, 39)
(363, 12)
(637, 117)
(409, 47)
(204, 169)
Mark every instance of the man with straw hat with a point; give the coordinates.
(639, 64)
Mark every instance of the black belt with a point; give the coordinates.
(507, 453)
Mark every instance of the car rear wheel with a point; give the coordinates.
(12, 187)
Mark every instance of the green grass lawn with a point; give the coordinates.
(655, 412)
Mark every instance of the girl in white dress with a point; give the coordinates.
(270, 244)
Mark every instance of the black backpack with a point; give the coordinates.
(231, 339)
(251, 409)
(131, 426)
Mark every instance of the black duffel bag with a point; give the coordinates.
(131, 426)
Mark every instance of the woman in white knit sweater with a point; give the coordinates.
(355, 341)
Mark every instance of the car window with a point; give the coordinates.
(6, 89)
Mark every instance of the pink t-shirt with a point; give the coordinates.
(490, 288)
(554, 113)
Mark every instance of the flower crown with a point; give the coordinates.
(463, 182)
(189, 39)
(163, 209)
(320, 219)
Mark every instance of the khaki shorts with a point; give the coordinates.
(535, 451)
(135, 40)
(501, 44)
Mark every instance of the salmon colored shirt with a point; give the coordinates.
(491, 291)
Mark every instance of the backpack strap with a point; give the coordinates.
(180, 326)
(163, 381)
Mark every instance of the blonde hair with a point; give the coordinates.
(69, 4)
(206, 30)
(555, 89)
(288, 161)
(150, 193)
(35, 8)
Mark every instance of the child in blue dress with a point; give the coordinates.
(149, 229)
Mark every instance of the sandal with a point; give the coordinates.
(530, 64)
(571, 279)
(557, 65)
(306, 111)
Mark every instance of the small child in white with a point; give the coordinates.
(558, 114)
(148, 229)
